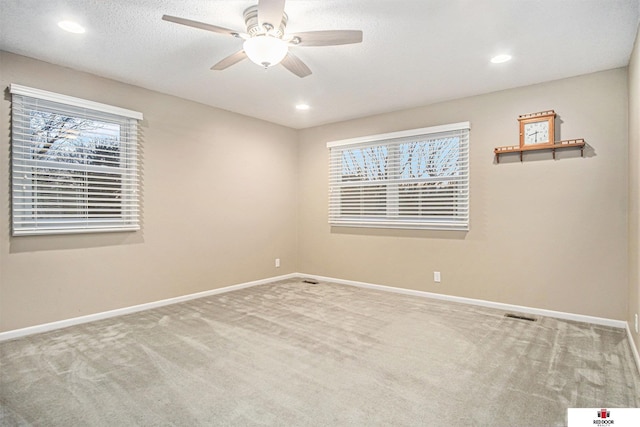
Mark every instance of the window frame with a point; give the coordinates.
(389, 200)
(118, 171)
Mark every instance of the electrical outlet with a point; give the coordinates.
(277, 262)
(636, 323)
(436, 276)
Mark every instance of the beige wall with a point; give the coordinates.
(634, 188)
(544, 233)
(219, 205)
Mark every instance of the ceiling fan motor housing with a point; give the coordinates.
(255, 29)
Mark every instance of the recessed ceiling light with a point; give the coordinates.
(499, 59)
(72, 27)
(302, 107)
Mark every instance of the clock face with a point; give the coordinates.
(536, 133)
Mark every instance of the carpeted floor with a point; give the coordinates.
(292, 353)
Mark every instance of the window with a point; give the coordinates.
(74, 164)
(411, 179)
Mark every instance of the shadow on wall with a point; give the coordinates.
(399, 232)
(73, 241)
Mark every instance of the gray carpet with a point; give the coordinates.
(291, 353)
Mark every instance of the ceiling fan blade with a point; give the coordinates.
(326, 38)
(270, 12)
(295, 65)
(201, 25)
(230, 60)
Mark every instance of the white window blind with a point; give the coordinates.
(411, 179)
(74, 164)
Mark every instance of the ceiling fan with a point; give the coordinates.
(265, 41)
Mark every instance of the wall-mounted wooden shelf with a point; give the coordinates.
(559, 145)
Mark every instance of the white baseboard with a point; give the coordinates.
(501, 306)
(17, 333)
(634, 349)
(498, 305)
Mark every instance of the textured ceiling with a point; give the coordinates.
(414, 52)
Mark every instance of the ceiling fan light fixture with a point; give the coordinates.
(265, 50)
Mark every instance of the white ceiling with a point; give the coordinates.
(414, 52)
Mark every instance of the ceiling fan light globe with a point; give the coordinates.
(265, 50)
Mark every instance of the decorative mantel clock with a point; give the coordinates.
(537, 129)
(537, 132)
